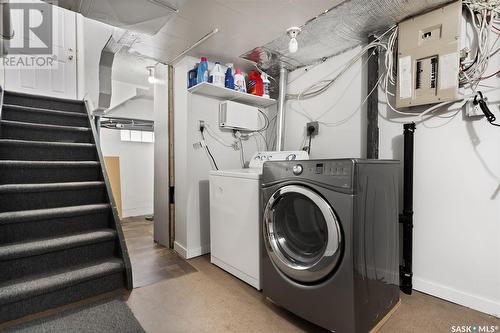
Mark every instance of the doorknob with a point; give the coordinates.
(70, 57)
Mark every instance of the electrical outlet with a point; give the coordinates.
(473, 110)
(314, 124)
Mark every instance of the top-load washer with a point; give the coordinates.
(235, 216)
(330, 240)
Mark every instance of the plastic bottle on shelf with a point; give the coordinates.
(266, 85)
(229, 79)
(202, 74)
(192, 76)
(217, 75)
(239, 82)
(255, 83)
(231, 66)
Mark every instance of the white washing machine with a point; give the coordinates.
(235, 216)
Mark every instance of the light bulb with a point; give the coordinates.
(293, 46)
(151, 72)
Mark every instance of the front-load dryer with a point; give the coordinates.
(330, 240)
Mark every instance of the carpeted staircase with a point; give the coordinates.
(60, 238)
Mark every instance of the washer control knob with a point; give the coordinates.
(297, 169)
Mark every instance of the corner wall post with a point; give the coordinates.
(171, 161)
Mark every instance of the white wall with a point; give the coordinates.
(457, 185)
(126, 104)
(136, 171)
(161, 162)
(95, 37)
(136, 158)
(192, 166)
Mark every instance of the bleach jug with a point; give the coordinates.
(217, 75)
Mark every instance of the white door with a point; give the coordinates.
(60, 81)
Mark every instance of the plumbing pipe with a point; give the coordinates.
(280, 123)
(406, 219)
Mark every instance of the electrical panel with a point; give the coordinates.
(237, 116)
(429, 57)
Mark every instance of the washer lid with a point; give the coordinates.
(250, 173)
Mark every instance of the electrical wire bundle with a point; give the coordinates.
(483, 16)
(485, 20)
(239, 137)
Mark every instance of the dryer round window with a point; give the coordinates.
(302, 233)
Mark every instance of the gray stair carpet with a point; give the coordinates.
(60, 241)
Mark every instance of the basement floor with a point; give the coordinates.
(207, 299)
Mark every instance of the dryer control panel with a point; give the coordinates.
(338, 173)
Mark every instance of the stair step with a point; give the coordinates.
(45, 255)
(43, 116)
(46, 151)
(38, 247)
(16, 197)
(22, 172)
(43, 223)
(43, 132)
(44, 102)
(43, 214)
(32, 286)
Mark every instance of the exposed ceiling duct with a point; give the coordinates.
(144, 16)
(336, 30)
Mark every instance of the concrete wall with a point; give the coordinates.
(457, 182)
(192, 166)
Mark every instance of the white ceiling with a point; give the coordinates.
(243, 25)
(132, 69)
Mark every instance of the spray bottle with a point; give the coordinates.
(266, 85)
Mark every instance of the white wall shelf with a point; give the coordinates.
(222, 93)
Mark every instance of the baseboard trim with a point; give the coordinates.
(191, 253)
(488, 306)
(181, 250)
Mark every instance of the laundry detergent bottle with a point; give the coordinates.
(239, 82)
(217, 75)
(229, 79)
(255, 83)
(202, 75)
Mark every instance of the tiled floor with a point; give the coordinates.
(207, 299)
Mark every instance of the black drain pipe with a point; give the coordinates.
(406, 219)
(372, 131)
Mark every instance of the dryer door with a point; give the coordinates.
(302, 233)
